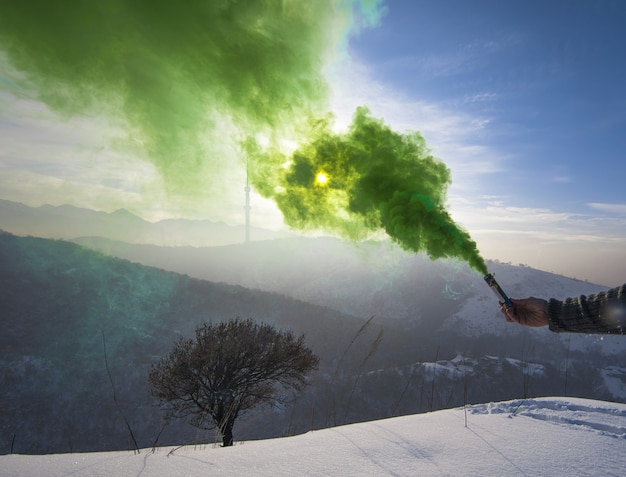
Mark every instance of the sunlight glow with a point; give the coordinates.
(321, 178)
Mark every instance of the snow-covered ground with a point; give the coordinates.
(538, 437)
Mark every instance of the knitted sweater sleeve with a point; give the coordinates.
(603, 312)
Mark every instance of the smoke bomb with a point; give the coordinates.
(493, 284)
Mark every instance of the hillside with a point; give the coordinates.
(443, 339)
(335, 273)
(539, 437)
(61, 304)
(442, 300)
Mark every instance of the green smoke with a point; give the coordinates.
(177, 75)
(188, 80)
(372, 178)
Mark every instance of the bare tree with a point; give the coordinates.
(229, 368)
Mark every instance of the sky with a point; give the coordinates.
(539, 437)
(523, 101)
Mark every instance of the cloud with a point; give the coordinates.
(479, 98)
(497, 216)
(36, 142)
(452, 59)
(617, 209)
(562, 179)
(572, 243)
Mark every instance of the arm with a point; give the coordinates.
(604, 312)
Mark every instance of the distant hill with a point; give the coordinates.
(443, 339)
(69, 222)
(443, 304)
(360, 279)
(60, 304)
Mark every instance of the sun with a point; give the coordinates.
(321, 178)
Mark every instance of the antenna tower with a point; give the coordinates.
(247, 206)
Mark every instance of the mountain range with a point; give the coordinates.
(396, 334)
(68, 221)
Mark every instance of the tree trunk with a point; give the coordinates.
(224, 417)
(227, 434)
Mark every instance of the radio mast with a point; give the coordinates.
(247, 206)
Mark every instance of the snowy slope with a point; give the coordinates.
(539, 437)
(480, 313)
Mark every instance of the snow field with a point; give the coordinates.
(538, 437)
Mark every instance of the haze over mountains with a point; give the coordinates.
(68, 222)
(436, 338)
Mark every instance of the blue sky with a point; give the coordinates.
(525, 101)
(546, 76)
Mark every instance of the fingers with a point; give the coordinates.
(508, 312)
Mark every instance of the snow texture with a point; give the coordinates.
(538, 437)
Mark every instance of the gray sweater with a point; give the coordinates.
(603, 312)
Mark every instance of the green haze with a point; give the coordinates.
(373, 178)
(190, 80)
(180, 76)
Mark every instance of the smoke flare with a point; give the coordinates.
(177, 75)
(373, 178)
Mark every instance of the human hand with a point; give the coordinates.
(528, 312)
